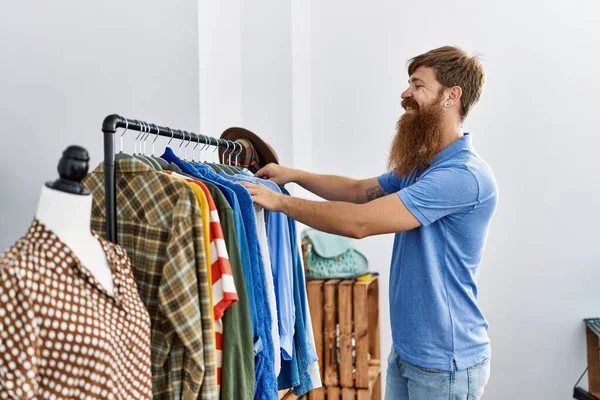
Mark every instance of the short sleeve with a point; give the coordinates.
(391, 183)
(18, 342)
(441, 192)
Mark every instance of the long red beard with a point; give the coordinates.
(418, 138)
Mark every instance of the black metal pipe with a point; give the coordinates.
(112, 122)
(109, 181)
(109, 127)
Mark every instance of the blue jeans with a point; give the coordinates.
(406, 381)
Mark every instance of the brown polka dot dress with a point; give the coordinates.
(62, 336)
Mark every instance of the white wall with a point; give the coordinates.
(66, 64)
(220, 65)
(246, 70)
(536, 126)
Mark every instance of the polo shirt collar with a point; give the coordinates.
(464, 142)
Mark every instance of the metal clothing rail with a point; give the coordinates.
(109, 127)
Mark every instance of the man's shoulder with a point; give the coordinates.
(483, 174)
(473, 167)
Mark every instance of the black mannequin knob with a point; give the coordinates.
(72, 168)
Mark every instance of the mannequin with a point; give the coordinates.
(65, 208)
(74, 331)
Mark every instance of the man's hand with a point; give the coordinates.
(277, 173)
(265, 197)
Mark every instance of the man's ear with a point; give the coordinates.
(454, 94)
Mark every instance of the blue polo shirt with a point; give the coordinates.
(433, 279)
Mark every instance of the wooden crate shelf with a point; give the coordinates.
(592, 332)
(345, 319)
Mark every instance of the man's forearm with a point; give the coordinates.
(329, 187)
(339, 218)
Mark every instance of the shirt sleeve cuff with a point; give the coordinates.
(414, 210)
(258, 347)
(286, 347)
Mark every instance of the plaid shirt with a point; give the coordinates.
(159, 224)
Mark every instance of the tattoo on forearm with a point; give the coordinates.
(375, 192)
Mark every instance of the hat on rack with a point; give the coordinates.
(255, 152)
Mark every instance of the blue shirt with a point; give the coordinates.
(280, 250)
(433, 279)
(295, 373)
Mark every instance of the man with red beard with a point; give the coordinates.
(438, 198)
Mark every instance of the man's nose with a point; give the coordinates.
(407, 94)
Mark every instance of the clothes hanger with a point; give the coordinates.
(233, 169)
(204, 148)
(126, 128)
(136, 155)
(226, 168)
(179, 147)
(236, 166)
(168, 143)
(192, 163)
(215, 151)
(189, 140)
(194, 148)
(234, 154)
(220, 163)
(120, 155)
(156, 166)
(211, 164)
(200, 151)
(183, 133)
(170, 140)
(162, 163)
(207, 144)
(186, 146)
(141, 131)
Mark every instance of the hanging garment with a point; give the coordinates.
(61, 334)
(266, 385)
(205, 214)
(160, 226)
(301, 374)
(261, 230)
(281, 262)
(237, 379)
(222, 278)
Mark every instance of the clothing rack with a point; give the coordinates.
(109, 127)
